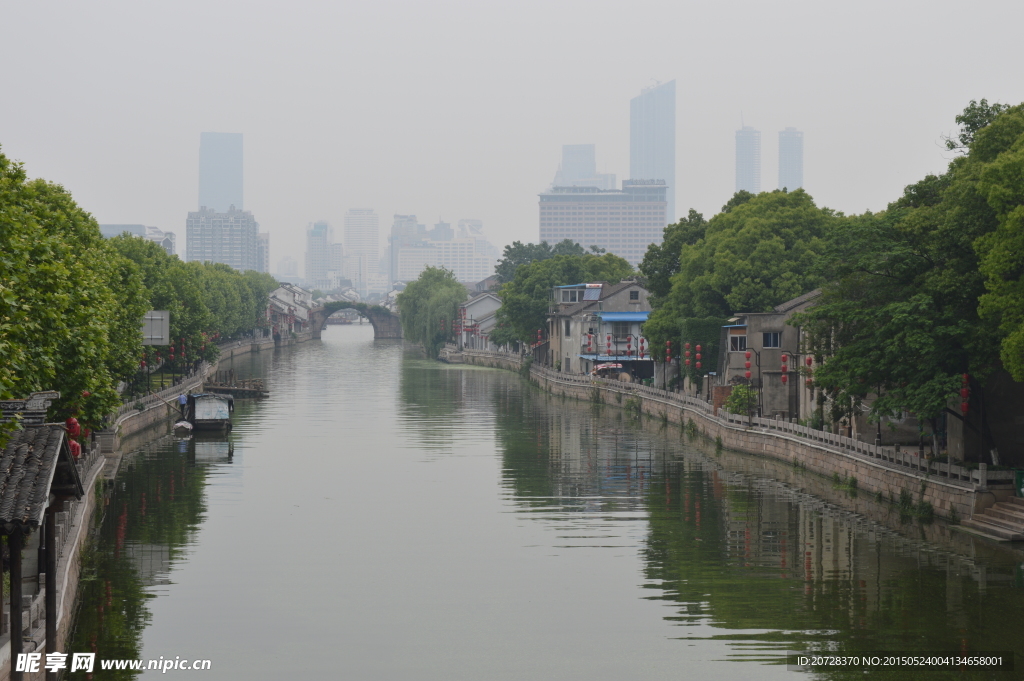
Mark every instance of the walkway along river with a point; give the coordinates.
(387, 517)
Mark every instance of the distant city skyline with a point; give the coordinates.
(652, 139)
(230, 237)
(748, 160)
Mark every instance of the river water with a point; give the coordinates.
(382, 516)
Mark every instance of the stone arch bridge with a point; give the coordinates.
(385, 323)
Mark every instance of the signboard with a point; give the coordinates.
(156, 328)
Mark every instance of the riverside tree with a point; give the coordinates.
(930, 289)
(758, 252)
(525, 299)
(427, 307)
(70, 307)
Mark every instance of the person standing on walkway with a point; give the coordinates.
(182, 403)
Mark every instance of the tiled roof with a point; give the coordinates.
(798, 301)
(33, 460)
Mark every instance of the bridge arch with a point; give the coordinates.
(385, 323)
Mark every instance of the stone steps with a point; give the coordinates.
(1004, 521)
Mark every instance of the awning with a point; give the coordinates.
(624, 316)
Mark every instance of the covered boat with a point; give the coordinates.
(209, 411)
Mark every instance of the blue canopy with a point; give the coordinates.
(624, 316)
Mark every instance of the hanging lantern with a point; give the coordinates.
(809, 382)
(747, 374)
(687, 353)
(698, 348)
(964, 407)
(687, 362)
(590, 343)
(629, 346)
(967, 379)
(785, 379)
(747, 354)
(965, 393)
(698, 356)
(698, 363)
(746, 365)
(687, 346)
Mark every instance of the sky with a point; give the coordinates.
(451, 110)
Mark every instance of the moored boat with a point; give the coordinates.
(209, 411)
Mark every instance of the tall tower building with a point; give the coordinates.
(652, 140)
(748, 160)
(579, 169)
(220, 170)
(318, 242)
(791, 159)
(263, 252)
(362, 235)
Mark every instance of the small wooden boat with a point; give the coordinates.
(209, 411)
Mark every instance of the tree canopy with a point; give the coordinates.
(70, 308)
(525, 299)
(518, 254)
(930, 289)
(428, 306)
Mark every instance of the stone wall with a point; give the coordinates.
(888, 471)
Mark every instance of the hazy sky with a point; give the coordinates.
(459, 109)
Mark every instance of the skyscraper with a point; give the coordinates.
(748, 160)
(791, 159)
(230, 237)
(579, 169)
(263, 252)
(652, 139)
(318, 241)
(220, 170)
(362, 234)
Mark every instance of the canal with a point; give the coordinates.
(382, 516)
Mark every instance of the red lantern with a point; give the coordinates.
(608, 343)
(629, 347)
(747, 374)
(747, 355)
(809, 383)
(698, 363)
(809, 361)
(785, 379)
(71, 425)
(698, 356)
(687, 353)
(967, 379)
(698, 348)
(687, 362)
(965, 393)
(142, 364)
(687, 346)
(746, 365)
(76, 449)
(964, 407)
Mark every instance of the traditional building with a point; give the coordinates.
(599, 323)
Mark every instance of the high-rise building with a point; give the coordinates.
(465, 252)
(623, 221)
(263, 252)
(166, 240)
(287, 267)
(652, 140)
(405, 231)
(748, 160)
(791, 159)
(579, 169)
(318, 241)
(230, 237)
(220, 171)
(362, 237)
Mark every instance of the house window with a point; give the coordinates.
(568, 331)
(621, 329)
(737, 343)
(771, 339)
(634, 295)
(571, 296)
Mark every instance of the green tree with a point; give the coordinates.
(758, 252)
(975, 117)
(70, 308)
(661, 262)
(518, 254)
(427, 307)
(900, 318)
(525, 299)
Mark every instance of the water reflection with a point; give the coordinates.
(462, 524)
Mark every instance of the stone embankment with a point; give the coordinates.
(952, 491)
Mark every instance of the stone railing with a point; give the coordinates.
(893, 457)
(165, 396)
